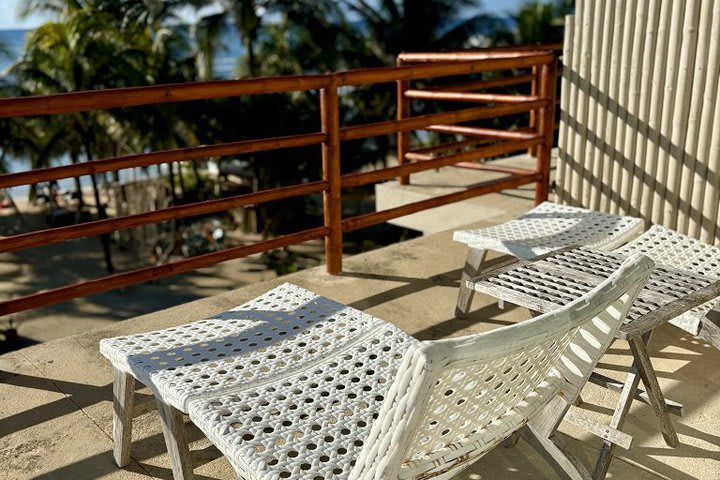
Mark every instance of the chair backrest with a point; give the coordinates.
(640, 112)
(453, 400)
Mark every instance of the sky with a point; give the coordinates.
(9, 18)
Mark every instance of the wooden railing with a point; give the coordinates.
(537, 137)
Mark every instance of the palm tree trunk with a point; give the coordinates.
(199, 186)
(171, 177)
(102, 214)
(182, 180)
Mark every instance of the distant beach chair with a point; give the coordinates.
(294, 385)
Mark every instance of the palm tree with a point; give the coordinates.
(84, 52)
(394, 26)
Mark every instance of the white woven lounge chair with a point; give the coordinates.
(293, 385)
(545, 228)
(672, 249)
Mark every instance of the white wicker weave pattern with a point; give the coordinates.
(562, 284)
(550, 226)
(246, 345)
(673, 249)
(403, 408)
(309, 424)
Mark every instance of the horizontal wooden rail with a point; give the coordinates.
(83, 289)
(157, 94)
(493, 167)
(469, 97)
(485, 84)
(60, 234)
(421, 121)
(465, 56)
(357, 179)
(445, 147)
(154, 158)
(492, 186)
(484, 133)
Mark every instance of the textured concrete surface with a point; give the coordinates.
(55, 398)
(444, 181)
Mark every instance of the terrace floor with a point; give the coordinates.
(55, 398)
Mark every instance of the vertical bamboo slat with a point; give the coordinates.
(605, 36)
(649, 63)
(631, 122)
(683, 95)
(654, 121)
(610, 131)
(582, 84)
(688, 161)
(672, 59)
(564, 166)
(705, 175)
(710, 231)
(621, 163)
(595, 56)
(571, 126)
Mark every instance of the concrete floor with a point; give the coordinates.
(55, 398)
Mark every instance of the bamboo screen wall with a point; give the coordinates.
(640, 121)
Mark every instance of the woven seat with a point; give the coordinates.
(672, 249)
(369, 402)
(245, 345)
(545, 228)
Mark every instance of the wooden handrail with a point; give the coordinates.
(158, 94)
(410, 67)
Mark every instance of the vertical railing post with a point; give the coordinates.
(403, 111)
(533, 113)
(332, 199)
(546, 128)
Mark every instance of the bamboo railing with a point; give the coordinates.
(417, 66)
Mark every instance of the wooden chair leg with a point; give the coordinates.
(475, 258)
(626, 397)
(657, 400)
(174, 432)
(540, 433)
(564, 463)
(123, 404)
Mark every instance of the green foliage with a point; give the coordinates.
(539, 22)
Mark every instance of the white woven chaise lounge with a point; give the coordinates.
(545, 228)
(293, 385)
(669, 248)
